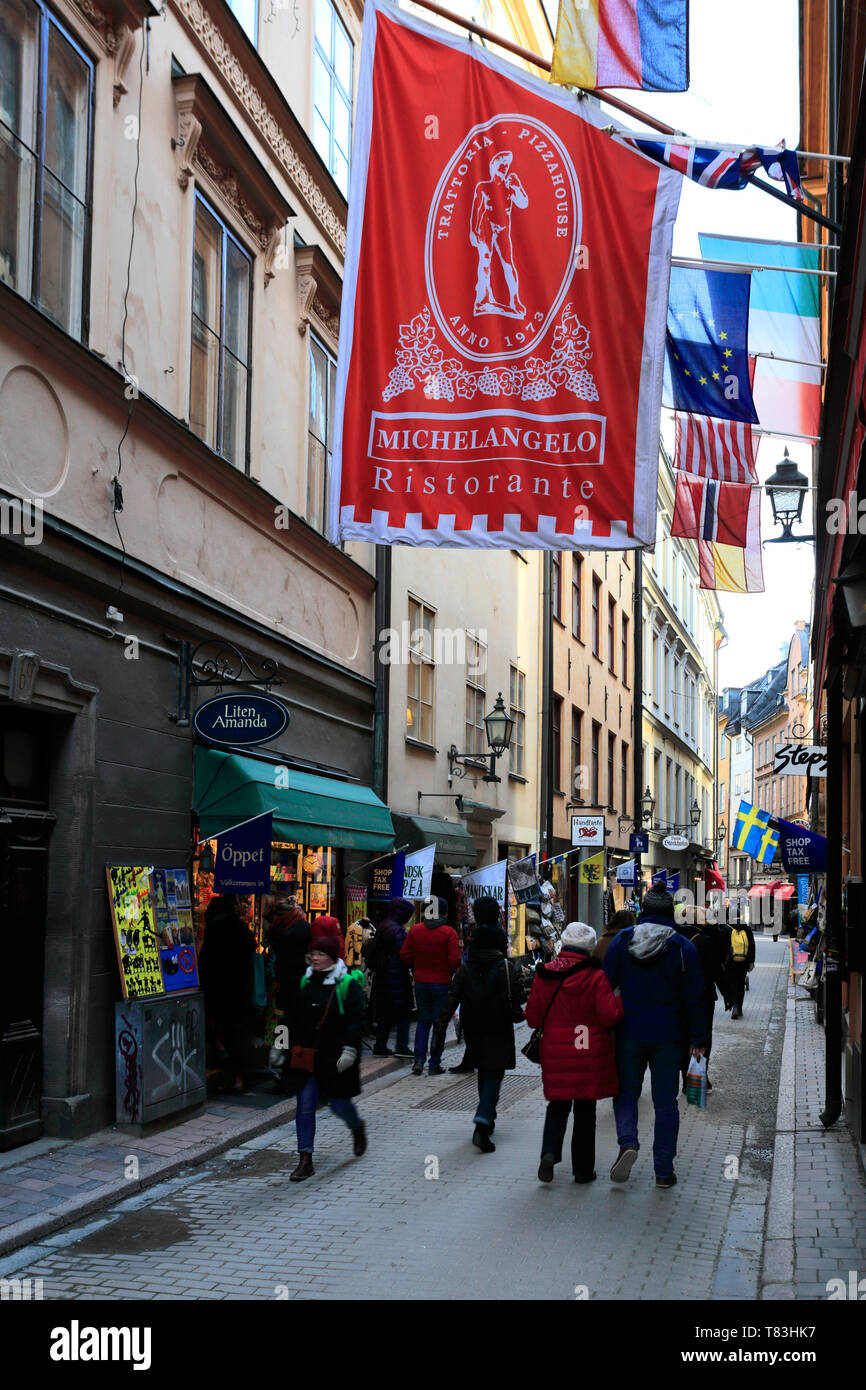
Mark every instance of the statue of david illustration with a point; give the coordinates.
(490, 231)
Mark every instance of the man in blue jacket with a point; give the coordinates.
(659, 977)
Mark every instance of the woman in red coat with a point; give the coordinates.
(573, 1000)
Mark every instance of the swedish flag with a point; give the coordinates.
(754, 835)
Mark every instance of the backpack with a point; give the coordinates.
(739, 945)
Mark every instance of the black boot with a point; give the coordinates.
(304, 1169)
(481, 1140)
(359, 1140)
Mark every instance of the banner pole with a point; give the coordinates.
(601, 95)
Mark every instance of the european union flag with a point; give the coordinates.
(754, 835)
(707, 368)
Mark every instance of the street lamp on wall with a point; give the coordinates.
(695, 813)
(647, 806)
(787, 489)
(498, 726)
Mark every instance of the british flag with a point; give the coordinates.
(725, 168)
(720, 449)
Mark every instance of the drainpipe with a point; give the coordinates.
(382, 674)
(545, 818)
(637, 737)
(832, 976)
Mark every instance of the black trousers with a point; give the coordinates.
(582, 1134)
(737, 971)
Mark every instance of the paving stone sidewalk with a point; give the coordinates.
(54, 1182)
(816, 1218)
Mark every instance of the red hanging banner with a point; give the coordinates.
(504, 308)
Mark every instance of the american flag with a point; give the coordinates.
(719, 449)
(725, 168)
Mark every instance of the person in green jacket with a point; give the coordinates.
(327, 1015)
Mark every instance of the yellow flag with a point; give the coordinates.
(592, 869)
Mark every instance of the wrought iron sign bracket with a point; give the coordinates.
(215, 664)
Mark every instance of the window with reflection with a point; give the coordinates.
(220, 357)
(332, 92)
(46, 87)
(320, 431)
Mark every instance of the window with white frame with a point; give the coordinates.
(476, 694)
(46, 90)
(320, 431)
(220, 355)
(421, 675)
(332, 92)
(517, 711)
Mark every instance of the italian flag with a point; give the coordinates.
(784, 319)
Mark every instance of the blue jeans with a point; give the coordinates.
(489, 1084)
(664, 1060)
(429, 999)
(305, 1115)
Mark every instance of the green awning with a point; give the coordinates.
(311, 810)
(454, 844)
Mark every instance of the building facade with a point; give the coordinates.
(172, 227)
(681, 627)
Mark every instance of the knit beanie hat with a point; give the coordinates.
(658, 902)
(486, 910)
(488, 937)
(326, 926)
(578, 937)
(328, 945)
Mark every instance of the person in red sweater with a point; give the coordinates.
(572, 1000)
(327, 926)
(432, 950)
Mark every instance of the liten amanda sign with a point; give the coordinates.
(242, 720)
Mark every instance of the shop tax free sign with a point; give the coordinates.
(504, 308)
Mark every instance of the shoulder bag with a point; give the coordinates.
(532, 1049)
(304, 1058)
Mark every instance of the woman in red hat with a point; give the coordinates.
(326, 1020)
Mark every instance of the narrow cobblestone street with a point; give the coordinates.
(424, 1215)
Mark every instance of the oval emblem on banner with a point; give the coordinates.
(240, 720)
(675, 842)
(502, 235)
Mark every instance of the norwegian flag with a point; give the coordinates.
(719, 449)
(705, 510)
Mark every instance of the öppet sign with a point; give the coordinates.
(504, 308)
(242, 863)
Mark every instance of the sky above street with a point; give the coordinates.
(744, 88)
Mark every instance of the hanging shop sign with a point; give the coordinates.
(488, 882)
(387, 878)
(418, 872)
(801, 849)
(242, 863)
(638, 842)
(800, 760)
(625, 873)
(675, 842)
(242, 720)
(669, 881)
(523, 877)
(587, 830)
